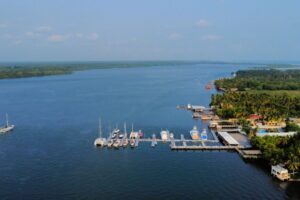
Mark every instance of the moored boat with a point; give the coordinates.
(100, 141)
(132, 143)
(141, 134)
(110, 143)
(165, 135)
(117, 143)
(195, 133)
(125, 142)
(204, 135)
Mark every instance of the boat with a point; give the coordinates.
(125, 143)
(125, 140)
(110, 143)
(133, 134)
(116, 131)
(132, 143)
(141, 134)
(206, 117)
(195, 133)
(165, 135)
(117, 143)
(7, 127)
(100, 141)
(204, 135)
(171, 136)
(114, 135)
(208, 86)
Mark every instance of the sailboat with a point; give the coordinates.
(125, 139)
(100, 141)
(7, 127)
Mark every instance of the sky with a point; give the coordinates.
(109, 30)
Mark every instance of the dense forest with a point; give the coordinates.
(243, 104)
(18, 72)
(271, 79)
(9, 70)
(277, 150)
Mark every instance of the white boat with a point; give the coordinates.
(133, 134)
(7, 127)
(125, 142)
(204, 135)
(117, 143)
(110, 143)
(132, 143)
(165, 135)
(100, 141)
(171, 136)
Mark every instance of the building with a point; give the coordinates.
(280, 173)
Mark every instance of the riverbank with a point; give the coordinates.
(25, 70)
(264, 101)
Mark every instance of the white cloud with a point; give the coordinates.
(212, 37)
(43, 29)
(93, 36)
(202, 23)
(57, 38)
(174, 36)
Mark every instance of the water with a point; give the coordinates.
(50, 154)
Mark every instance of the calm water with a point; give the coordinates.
(51, 155)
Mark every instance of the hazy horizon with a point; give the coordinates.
(209, 30)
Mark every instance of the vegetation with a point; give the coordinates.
(271, 79)
(277, 150)
(271, 94)
(18, 72)
(269, 106)
(45, 69)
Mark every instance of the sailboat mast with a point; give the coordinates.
(100, 128)
(6, 120)
(125, 130)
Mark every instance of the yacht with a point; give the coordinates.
(171, 136)
(195, 133)
(165, 135)
(204, 135)
(110, 143)
(7, 127)
(132, 143)
(117, 143)
(100, 141)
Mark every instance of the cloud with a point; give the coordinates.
(57, 38)
(202, 23)
(93, 36)
(174, 36)
(212, 37)
(43, 29)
